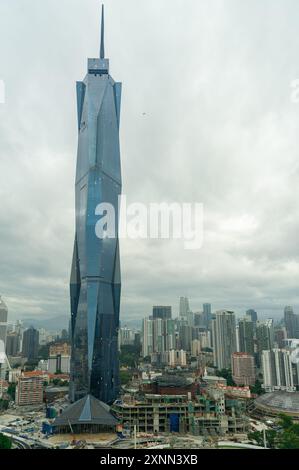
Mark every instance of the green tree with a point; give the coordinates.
(43, 352)
(125, 377)
(147, 359)
(4, 404)
(258, 437)
(11, 391)
(129, 356)
(226, 374)
(288, 440)
(5, 442)
(285, 421)
(257, 388)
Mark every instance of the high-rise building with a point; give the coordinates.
(162, 312)
(158, 336)
(177, 358)
(277, 370)
(186, 337)
(184, 308)
(126, 336)
(207, 314)
(195, 347)
(30, 344)
(252, 315)
(147, 337)
(199, 319)
(3, 320)
(291, 322)
(95, 284)
(280, 335)
(4, 363)
(12, 344)
(224, 338)
(205, 339)
(246, 336)
(243, 370)
(64, 335)
(264, 338)
(59, 363)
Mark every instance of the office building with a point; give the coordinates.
(30, 344)
(158, 336)
(207, 314)
(280, 335)
(12, 344)
(224, 338)
(186, 336)
(252, 315)
(147, 337)
(205, 339)
(95, 285)
(264, 338)
(184, 308)
(4, 363)
(64, 335)
(246, 336)
(3, 320)
(291, 322)
(162, 312)
(243, 368)
(195, 347)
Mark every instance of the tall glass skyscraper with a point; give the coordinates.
(3, 320)
(95, 278)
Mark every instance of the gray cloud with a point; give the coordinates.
(213, 78)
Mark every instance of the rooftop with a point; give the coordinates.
(88, 410)
(279, 401)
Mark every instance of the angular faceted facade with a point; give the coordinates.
(95, 278)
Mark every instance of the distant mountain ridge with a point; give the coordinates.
(50, 324)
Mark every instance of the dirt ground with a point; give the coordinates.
(92, 438)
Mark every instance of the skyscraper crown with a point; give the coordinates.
(100, 66)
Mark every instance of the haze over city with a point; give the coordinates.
(215, 126)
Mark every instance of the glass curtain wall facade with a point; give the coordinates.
(95, 285)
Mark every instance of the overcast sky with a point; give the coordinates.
(213, 77)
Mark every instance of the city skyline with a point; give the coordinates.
(246, 178)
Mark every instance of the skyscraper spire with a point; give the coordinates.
(102, 50)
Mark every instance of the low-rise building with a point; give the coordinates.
(237, 392)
